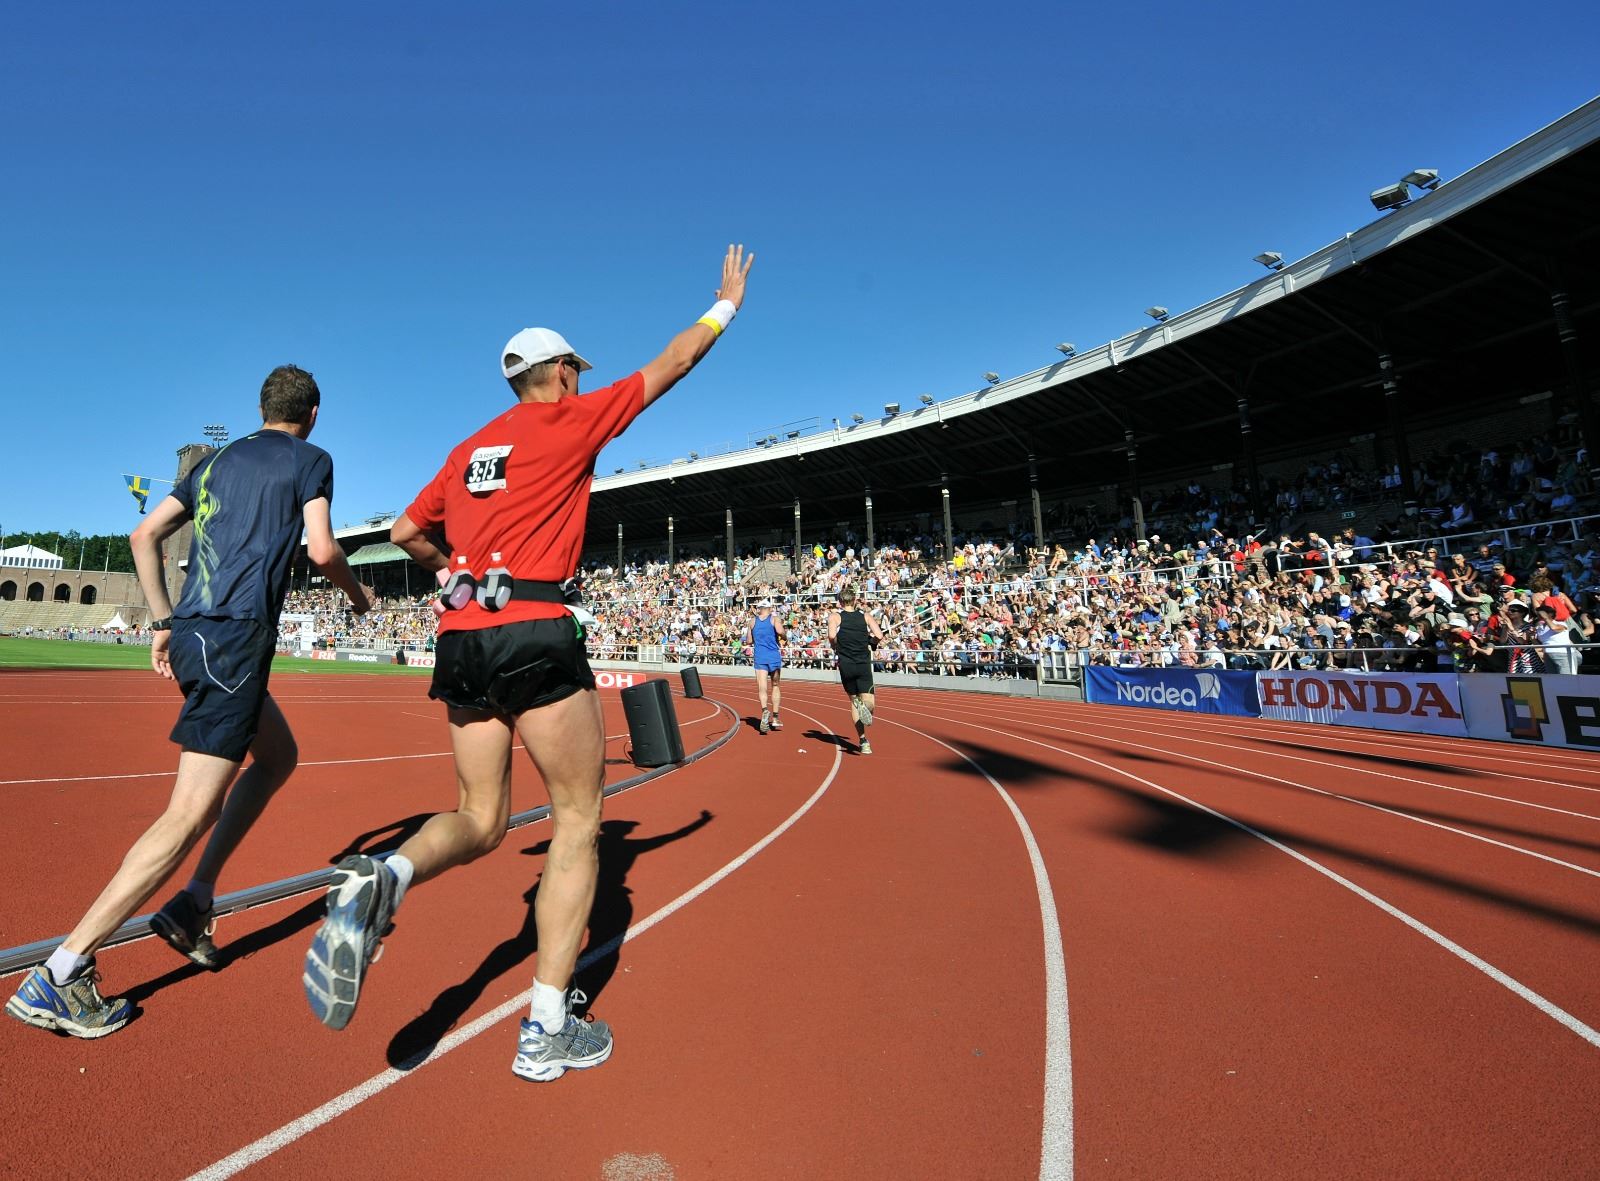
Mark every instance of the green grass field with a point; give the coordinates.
(18, 652)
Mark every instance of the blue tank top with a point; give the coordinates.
(764, 637)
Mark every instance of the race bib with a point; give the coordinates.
(486, 470)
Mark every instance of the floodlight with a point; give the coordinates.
(858, 419)
(1158, 314)
(793, 434)
(1270, 259)
(1426, 179)
(618, 472)
(891, 408)
(1067, 350)
(694, 455)
(643, 464)
(216, 432)
(926, 399)
(991, 378)
(1391, 197)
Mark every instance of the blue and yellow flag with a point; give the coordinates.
(139, 486)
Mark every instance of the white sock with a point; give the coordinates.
(549, 1006)
(403, 869)
(201, 892)
(63, 965)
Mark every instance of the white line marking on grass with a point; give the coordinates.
(1546, 1006)
(337, 1106)
(1055, 1156)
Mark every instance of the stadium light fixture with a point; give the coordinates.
(891, 408)
(216, 432)
(1067, 350)
(858, 419)
(1270, 259)
(792, 434)
(992, 378)
(619, 471)
(1426, 179)
(1395, 196)
(693, 455)
(925, 399)
(1158, 314)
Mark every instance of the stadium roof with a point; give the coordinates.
(1456, 287)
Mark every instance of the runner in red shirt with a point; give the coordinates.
(509, 506)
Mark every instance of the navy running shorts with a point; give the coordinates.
(222, 667)
(856, 678)
(511, 668)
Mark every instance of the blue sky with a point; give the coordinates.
(384, 194)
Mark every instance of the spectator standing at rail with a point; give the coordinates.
(853, 634)
(511, 503)
(765, 635)
(249, 503)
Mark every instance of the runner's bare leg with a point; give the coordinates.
(482, 746)
(273, 756)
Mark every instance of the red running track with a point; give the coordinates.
(1022, 939)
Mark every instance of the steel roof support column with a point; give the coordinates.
(949, 534)
(1138, 489)
(871, 539)
(1033, 494)
(619, 549)
(1248, 441)
(1577, 387)
(1397, 428)
(727, 573)
(795, 565)
(671, 542)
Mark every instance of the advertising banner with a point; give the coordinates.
(1215, 691)
(416, 659)
(1549, 710)
(1422, 703)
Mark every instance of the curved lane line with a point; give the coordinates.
(1546, 1006)
(1055, 1155)
(273, 1141)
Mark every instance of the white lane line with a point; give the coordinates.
(1546, 1006)
(1055, 1159)
(273, 1141)
(1183, 734)
(1230, 769)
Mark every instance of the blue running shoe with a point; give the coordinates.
(360, 904)
(75, 1007)
(544, 1057)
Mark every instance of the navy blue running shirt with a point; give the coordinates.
(248, 504)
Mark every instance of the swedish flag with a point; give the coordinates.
(139, 487)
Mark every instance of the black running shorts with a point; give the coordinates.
(511, 668)
(857, 678)
(222, 667)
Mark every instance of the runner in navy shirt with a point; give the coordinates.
(249, 503)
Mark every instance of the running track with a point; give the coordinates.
(1023, 939)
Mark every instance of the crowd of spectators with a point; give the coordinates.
(1495, 590)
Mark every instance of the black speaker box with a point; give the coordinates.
(652, 724)
(691, 682)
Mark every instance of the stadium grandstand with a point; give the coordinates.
(1332, 458)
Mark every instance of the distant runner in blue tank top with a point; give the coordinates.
(764, 636)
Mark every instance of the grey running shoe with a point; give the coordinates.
(187, 928)
(766, 721)
(544, 1057)
(75, 1007)
(360, 904)
(866, 747)
(776, 725)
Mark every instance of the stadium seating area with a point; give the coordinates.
(1510, 580)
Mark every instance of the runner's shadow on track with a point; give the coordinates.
(1437, 768)
(609, 920)
(386, 839)
(831, 739)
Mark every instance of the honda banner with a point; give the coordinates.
(1549, 710)
(1210, 692)
(1417, 702)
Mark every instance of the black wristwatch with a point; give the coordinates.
(161, 625)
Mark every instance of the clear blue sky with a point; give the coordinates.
(193, 194)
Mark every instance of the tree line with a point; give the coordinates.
(98, 552)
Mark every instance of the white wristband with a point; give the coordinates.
(720, 316)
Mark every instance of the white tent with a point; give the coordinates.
(117, 623)
(30, 557)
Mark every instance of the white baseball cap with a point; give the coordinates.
(536, 346)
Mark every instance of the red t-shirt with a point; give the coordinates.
(519, 488)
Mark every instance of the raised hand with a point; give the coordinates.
(735, 268)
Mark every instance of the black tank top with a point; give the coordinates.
(853, 644)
